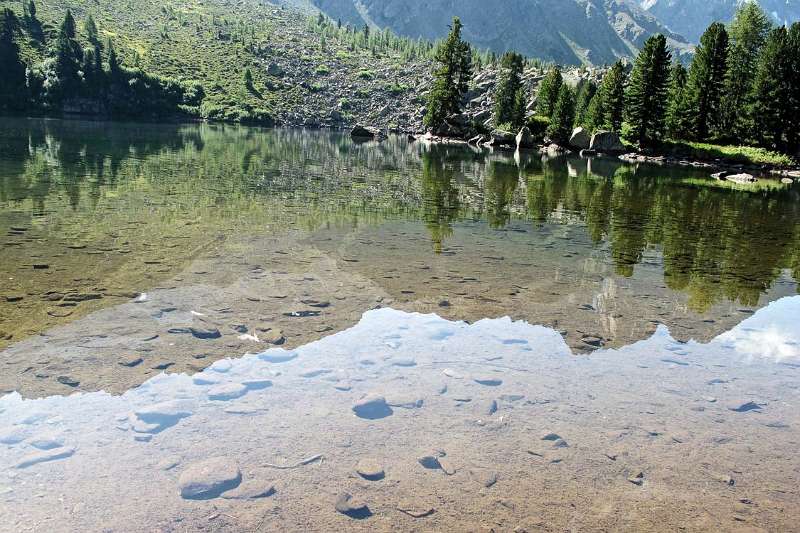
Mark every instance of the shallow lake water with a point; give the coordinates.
(456, 339)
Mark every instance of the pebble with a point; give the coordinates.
(208, 479)
(277, 357)
(45, 456)
(226, 392)
(158, 417)
(68, 381)
(743, 407)
(488, 381)
(370, 470)
(431, 462)
(415, 511)
(404, 362)
(250, 490)
(372, 407)
(638, 479)
(47, 443)
(348, 506)
(315, 372)
(130, 361)
(11, 436)
(205, 334)
(487, 478)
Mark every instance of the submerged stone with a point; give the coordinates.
(208, 479)
(372, 407)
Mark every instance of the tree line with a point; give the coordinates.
(742, 87)
(85, 80)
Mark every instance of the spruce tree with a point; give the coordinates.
(772, 94)
(583, 97)
(563, 117)
(793, 113)
(12, 80)
(704, 86)
(747, 32)
(91, 30)
(678, 118)
(606, 110)
(452, 72)
(68, 55)
(508, 87)
(248, 79)
(645, 97)
(548, 92)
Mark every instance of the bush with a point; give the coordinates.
(538, 126)
(366, 74)
(323, 70)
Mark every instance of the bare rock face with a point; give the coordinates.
(580, 139)
(606, 142)
(362, 133)
(208, 479)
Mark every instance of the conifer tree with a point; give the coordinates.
(793, 113)
(452, 72)
(248, 79)
(772, 94)
(68, 55)
(606, 110)
(563, 117)
(12, 80)
(91, 30)
(747, 32)
(678, 119)
(645, 97)
(548, 92)
(583, 97)
(704, 86)
(509, 86)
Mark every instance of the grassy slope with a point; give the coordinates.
(214, 41)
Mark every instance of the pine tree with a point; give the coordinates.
(748, 32)
(114, 65)
(584, 95)
(793, 113)
(548, 92)
(645, 97)
(772, 95)
(704, 86)
(606, 110)
(12, 82)
(452, 72)
(68, 56)
(563, 117)
(508, 87)
(678, 118)
(248, 79)
(91, 30)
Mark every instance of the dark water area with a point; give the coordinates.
(224, 328)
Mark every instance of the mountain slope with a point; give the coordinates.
(564, 31)
(692, 17)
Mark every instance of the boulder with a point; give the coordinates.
(580, 139)
(361, 132)
(606, 142)
(502, 138)
(741, 178)
(525, 139)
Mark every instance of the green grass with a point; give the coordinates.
(733, 154)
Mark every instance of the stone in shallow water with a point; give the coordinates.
(277, 357)
(47, 442)
(205, 334)
(250, 490)
(404, 362)
(351, 507)
(489, 381)
(130, 361)
(370, 470)
(45, 456)
(372, 407)
(226, 392)
(431, 462)
(11, 436)
(68, 381)
(158, 417)
(638, 479)
(208, 479)
(744, 406)
(315, 372)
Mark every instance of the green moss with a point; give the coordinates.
(735, 154)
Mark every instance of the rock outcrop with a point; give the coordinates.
(606, 142)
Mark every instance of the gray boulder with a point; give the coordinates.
(209, 479)
(525, 139)
(359, 132)
(502, 138)
(606, 142)
(580, 139)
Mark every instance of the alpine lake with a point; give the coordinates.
(223, 328)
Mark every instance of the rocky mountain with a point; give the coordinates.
(692, 17)
(565, 31)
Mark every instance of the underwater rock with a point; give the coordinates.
(208, 479)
